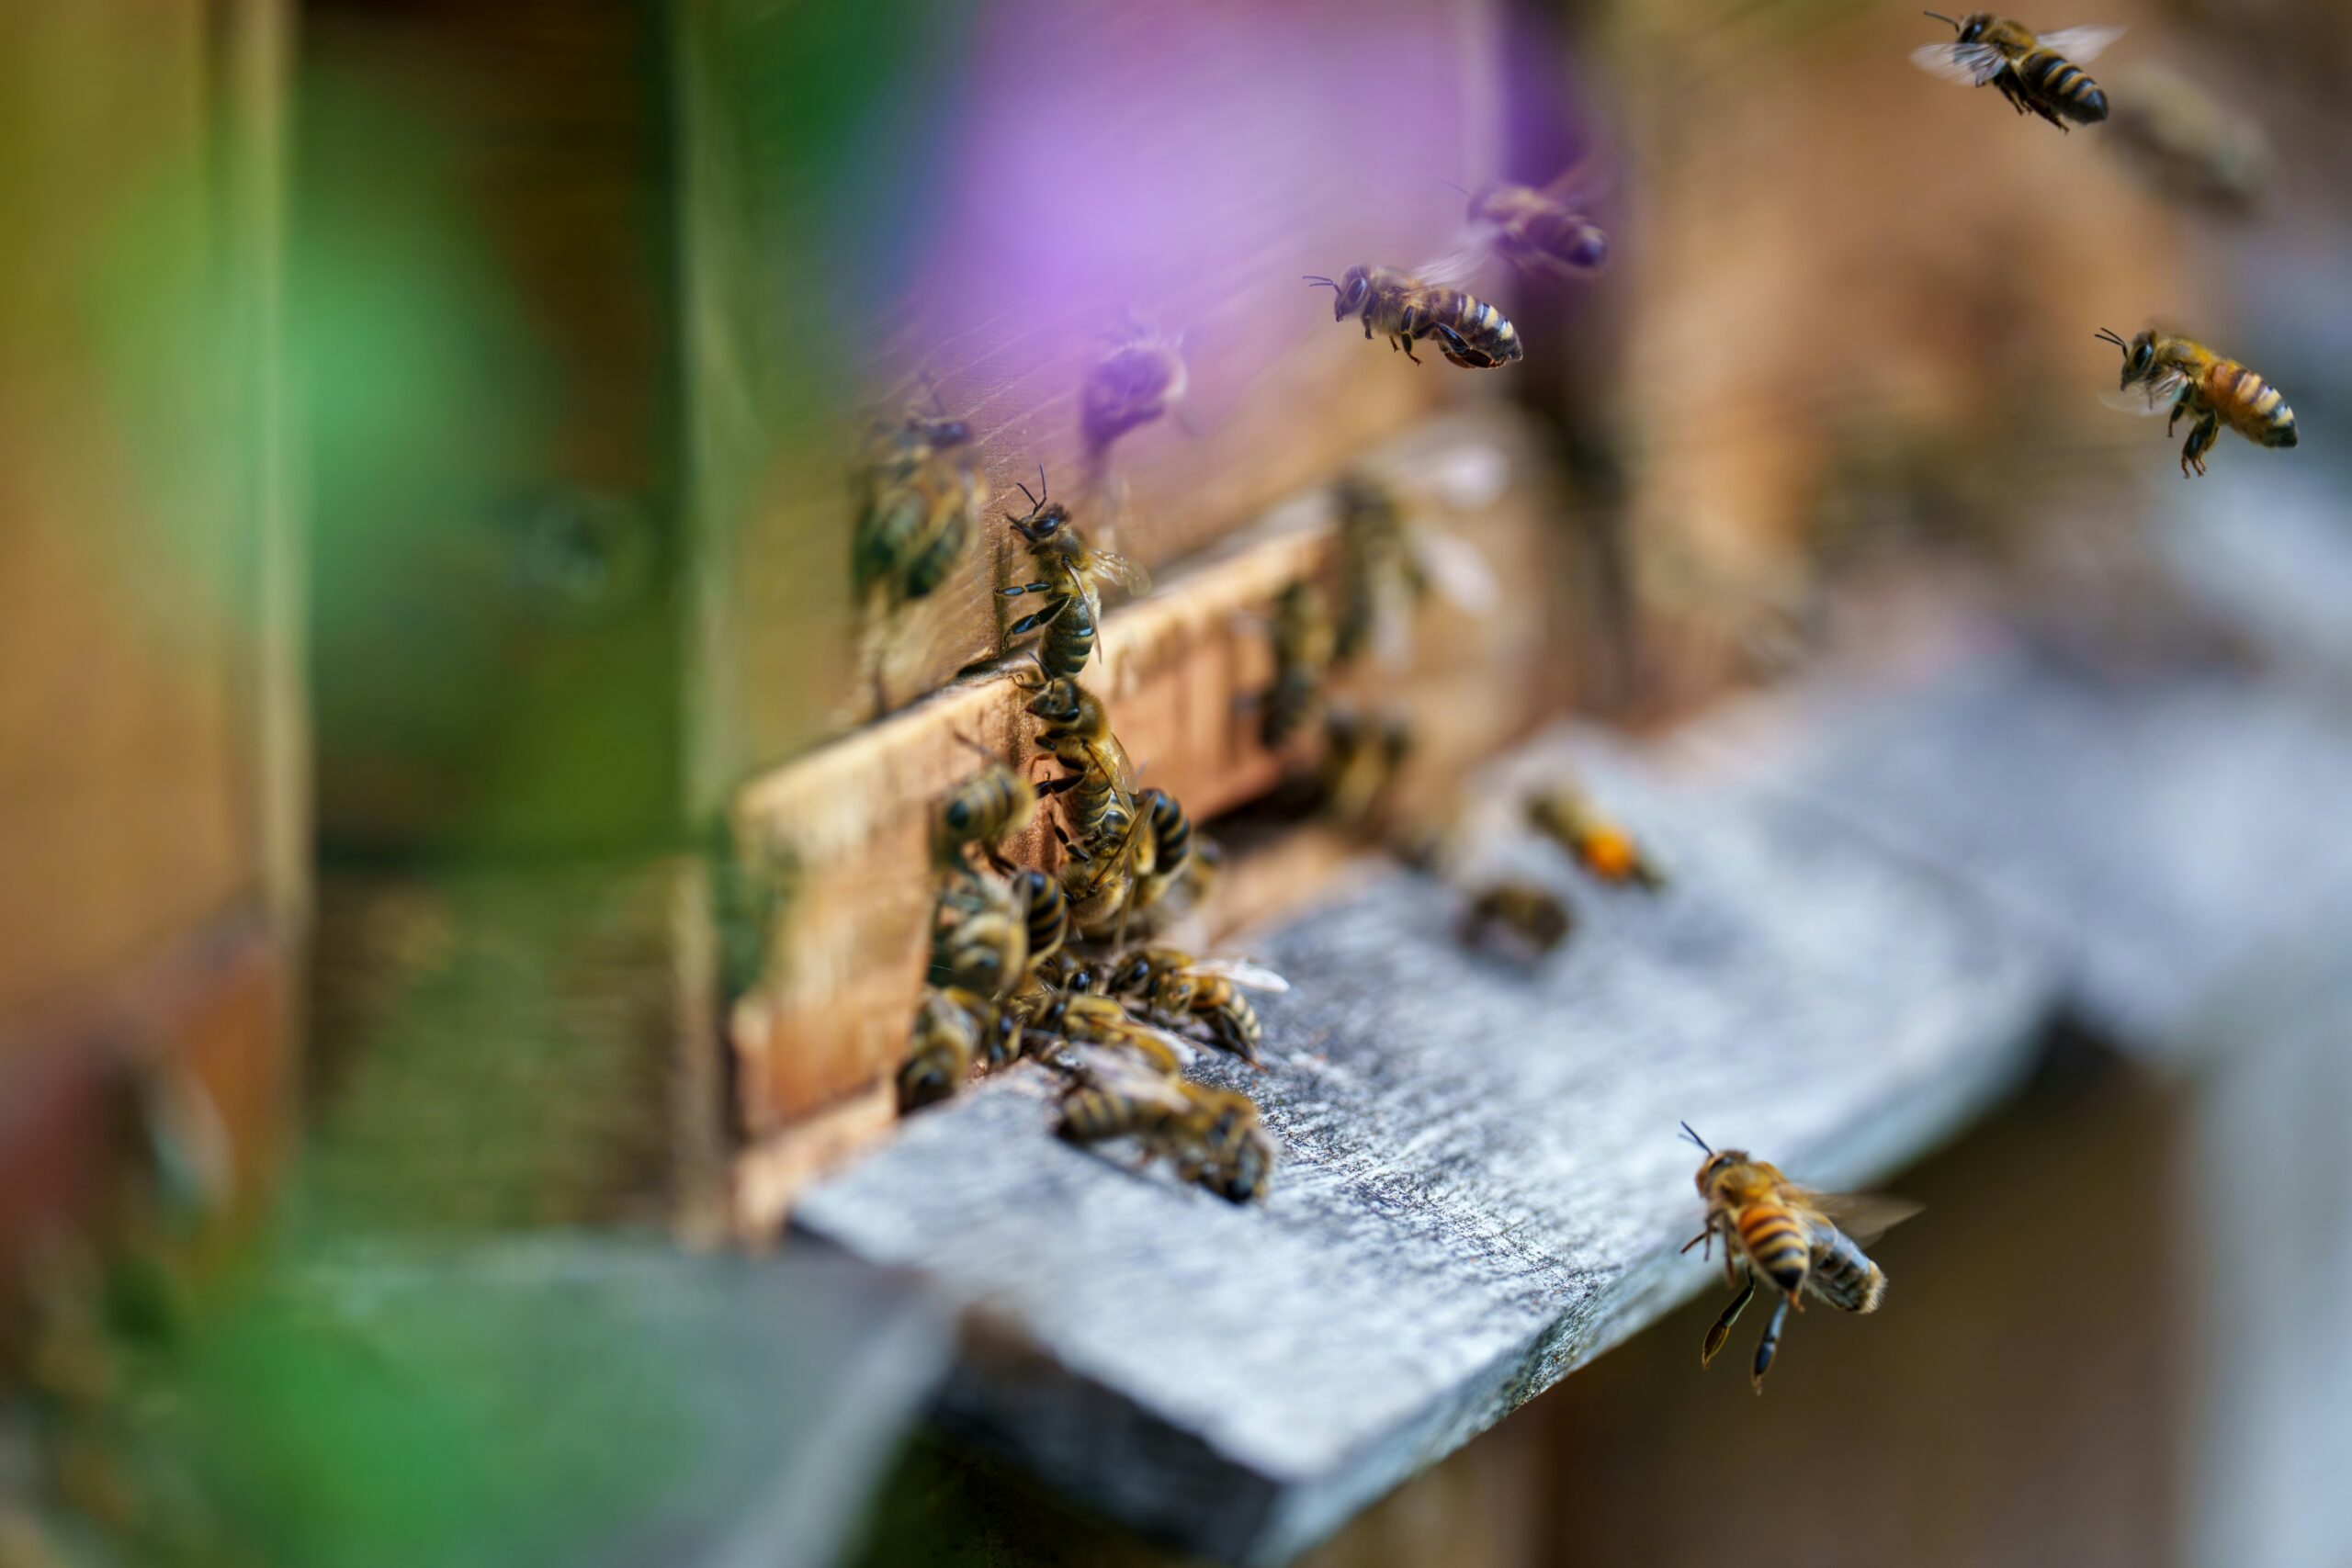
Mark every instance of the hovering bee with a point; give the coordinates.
(1213, 1136)
(945, 1041)
(1178, 986)
(2042, 76)
(2188, 146)
(1542, 230)
(979, 936)
(990, 806)
(1798, 1239)
(1469, 331)
(1070, 576)
(2169, 375)
(1604, 848)
(1138, 381)
(1388, 567)
(1302, 647)
(1533, 916)
(918, 491)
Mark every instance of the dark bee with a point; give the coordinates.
(1046, 913)
(1070, 576)
(990, 806)
(1533, 916)
(1543, 230)
(1469, 331)
(944, 1041)
(1303, 650)
(1094, 786)
(917, 490)
(979, 936)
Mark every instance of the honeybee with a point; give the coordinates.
(1534, 917)
(2169, 375)
(991, 806)
(2186, 145)
(1138, 381)
(2041, 75)
(1071, 576)
(918, 491)
(1104, 873)
(1089, 1018)
(1388, 566)
(1161, 901)
(1178, 985)
(1213, 1136)
(1798, 1239)
(1172, 846)
(1075, 727)
(1046, 914)
(944, 1041)
(1543, 230)
(1302, 647)
(1469, 331)
(1360, 761)
(980, 935)
(1602, 847)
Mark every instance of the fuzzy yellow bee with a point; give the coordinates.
(2038, 75)
(2166, 373)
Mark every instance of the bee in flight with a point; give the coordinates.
(1545, 230)
(1797, 1239)
(2188, 145)
(1469, 331)
(1071, 575)
(1139, 380)
(2170, 375)
(2041, 75)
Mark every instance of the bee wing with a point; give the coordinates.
(1969, 64)
(1108, 565)
(1120, 1072)
(1586, 180)
(1456, 267)
(2153, 396)
(1865, 1216)
(1457, 571)
(1244, 972)
(2080, 45)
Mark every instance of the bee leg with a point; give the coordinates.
(1766, 1347)
(2201, 441)
(1707, 1235)
(1720, 1331)
(1027, 588)
(1408, 352)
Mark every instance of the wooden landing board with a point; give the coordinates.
(1482, 1185)
(2153, 834)
(1177, 671)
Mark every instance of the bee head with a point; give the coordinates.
(940, 432)
(1057, 700)
(1352, 289)
(2138, 355)
(1591, 250)
(1717, 1161)
(1247, 1172)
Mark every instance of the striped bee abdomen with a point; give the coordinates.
(1842, 1274)
(1470, 332)
(1775, 1243)
(2252, 405)
(2063, 85)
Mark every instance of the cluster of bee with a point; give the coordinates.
(2043, 74)
(1031, 966)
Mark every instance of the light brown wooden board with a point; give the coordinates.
(846, 959)
(1054, 167)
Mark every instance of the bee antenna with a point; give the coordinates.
(1042, 493)
(1696, 1139)
(1941, 17)
(1033, 502)
(1321, 282)
(2107, 334)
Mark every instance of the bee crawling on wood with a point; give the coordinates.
(1605, 849)
(918, 492)
(1178, 986)
(1362, 757)
(2166, 373)
(1405, 308)
(986, 809)
(980, 935)
(2038, 75)
(1533, 917)
(1087, 1018)
(1797, 1239)
(1070, 576)
(949, 1033)
(1213, 1136)
(1097, 781)
(1302, 640)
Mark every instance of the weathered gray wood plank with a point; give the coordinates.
(2153, 833)
(1481, 1186)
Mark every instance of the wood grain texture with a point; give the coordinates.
(510, 1048)
(2154, 832)
(1481, 1187)
(1191, 167)
(1176, 671)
